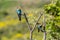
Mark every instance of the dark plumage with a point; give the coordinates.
(19, 12)
(40, 28)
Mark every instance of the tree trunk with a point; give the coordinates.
(31, 35)
(44, 35)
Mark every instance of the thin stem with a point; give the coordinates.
(44, 25)
(27, 21)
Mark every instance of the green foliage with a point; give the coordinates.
(58, 3)
(53, 25)
(52, 9)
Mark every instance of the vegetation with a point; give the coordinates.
(54, 23)
(13, 29)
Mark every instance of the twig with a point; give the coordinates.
(27, 21)
(44, 25)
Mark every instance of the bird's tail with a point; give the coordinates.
(38, 30)
(19, 17)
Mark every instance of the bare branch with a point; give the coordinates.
(37, 22)
(27, 21)
(44, 25)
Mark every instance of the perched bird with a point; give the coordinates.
(39, 28)
(19, 12)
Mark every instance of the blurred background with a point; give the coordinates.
(13, 29)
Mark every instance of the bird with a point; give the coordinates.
(19, 13)
(39, 28)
